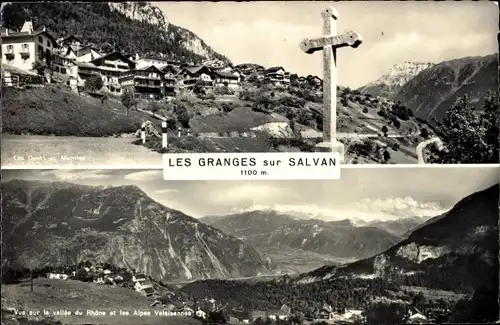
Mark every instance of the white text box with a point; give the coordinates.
(251, 166)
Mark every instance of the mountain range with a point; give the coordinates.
(264, 228)
(391, 83)
(430, 93)
(456, 251)
(429, 89)
(56, 222)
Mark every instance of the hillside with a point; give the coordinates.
(53, 223)
(457, 251)
(435, 89)
(271, 229)
(363, 122)
(132, 27)
(72, 295)
(56, 110)
(391, 83)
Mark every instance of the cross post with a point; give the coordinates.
(329, 44)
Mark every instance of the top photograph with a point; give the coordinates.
(121, 83)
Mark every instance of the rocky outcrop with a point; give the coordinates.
(53, 223)
(391, 83)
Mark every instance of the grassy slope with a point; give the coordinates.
(208, 116)
(74, 295)
(56, 110)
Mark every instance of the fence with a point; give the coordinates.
(22, 80)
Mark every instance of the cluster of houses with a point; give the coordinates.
(100, 275)
(73, 62)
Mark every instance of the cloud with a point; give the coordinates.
(396, 207)
(76, 175)
(167, 190)
(144, 176)
(368, 210)
(244, 193)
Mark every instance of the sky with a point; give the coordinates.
(362, 193)
(269, 32)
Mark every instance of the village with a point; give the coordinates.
(36, 57)
(165, 300)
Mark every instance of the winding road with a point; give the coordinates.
(421, 146)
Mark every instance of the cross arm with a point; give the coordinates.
(348, 38)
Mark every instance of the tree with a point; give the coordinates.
(128, 100)
(39, 66)
(199, 88)
(469, 137)
(154, 108)
(424, 133)
(94, 83)
(387, 155)
(385, 311)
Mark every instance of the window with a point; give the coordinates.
(25, 47)
(48, 43)
(40, 39)
(10, 48)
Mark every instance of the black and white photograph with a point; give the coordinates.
(360, 250)
(106, 83)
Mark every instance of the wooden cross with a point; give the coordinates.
(329, 43)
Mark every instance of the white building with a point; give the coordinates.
(22, 49)
(57, 276)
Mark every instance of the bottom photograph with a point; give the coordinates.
(379, 246)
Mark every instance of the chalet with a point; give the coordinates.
(22, 49)
(141, 285)
(200, 314)
(286, 78)
(138, 277)
(416, 317)
(148, 292)
(242, 316)
(315, 81)
(64, 65)
(227, 79)
(190, 75)
(70, 40)
(274, 75)
(16, 77)
(283, 313)
(258, 314)
(146, 62)
(248, 69)
(145, 83)
(110, 68)
(57, 276)
(170, 72)
(325, 312)
(353, 314)
(79, 52)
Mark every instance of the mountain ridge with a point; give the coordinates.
(389, 84)
(462, 260)
(338, 238)
(120, 225)
(430, 93)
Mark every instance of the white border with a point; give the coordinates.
(161, 166)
